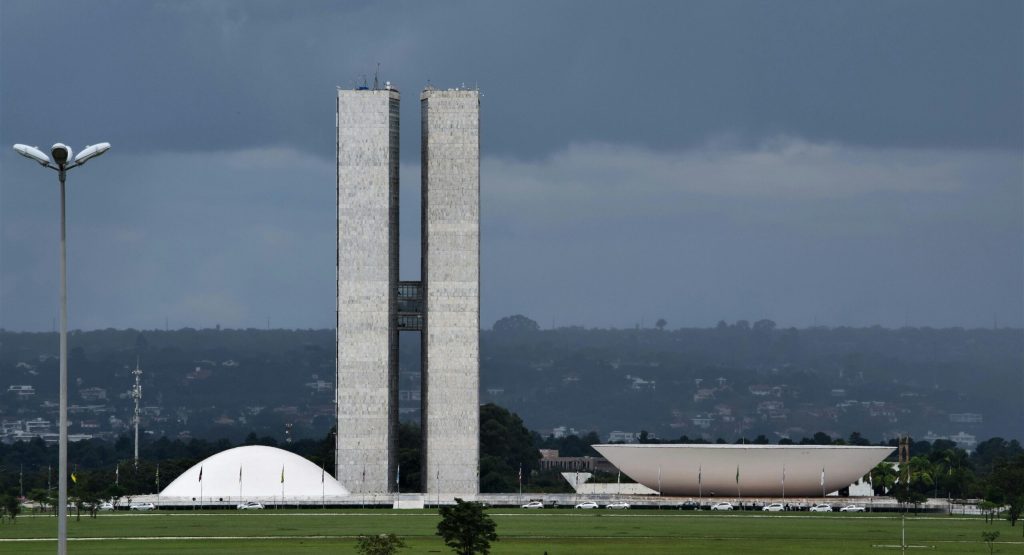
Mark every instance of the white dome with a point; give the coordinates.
(254, 472)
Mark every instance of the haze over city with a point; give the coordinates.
(810, 163)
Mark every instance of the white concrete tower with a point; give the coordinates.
(451, 290)
(367, 380)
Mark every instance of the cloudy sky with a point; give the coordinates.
(839, 163)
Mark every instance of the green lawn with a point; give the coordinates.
(554, 531)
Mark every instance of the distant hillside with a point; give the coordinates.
(734, 380)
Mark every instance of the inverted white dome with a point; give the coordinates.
(757, 470)
(254, 472)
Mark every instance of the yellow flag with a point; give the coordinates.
(282, 474)
(74, 478)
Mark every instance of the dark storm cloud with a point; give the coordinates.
(838, 162)
(225, 75)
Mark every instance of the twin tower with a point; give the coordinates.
(374, 306)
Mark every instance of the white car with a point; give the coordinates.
(617, 505)
(106, 506)
(142, 507)
(250, 505)
(533, 505)
(587, 505)
(721, 507)
(774, 507)
(822, 508)
(852, 509)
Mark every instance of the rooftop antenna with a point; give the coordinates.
(137, 396)
(376, 78)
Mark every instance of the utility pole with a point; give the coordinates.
(137, 397)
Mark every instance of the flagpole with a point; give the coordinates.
(520, 483)
(577, 488)
(700, 485)
(240, 484)
(783, 484)
(158, 485)
(739, 493)
(659, 487)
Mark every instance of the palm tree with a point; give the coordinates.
(921, 473)
(883, 477)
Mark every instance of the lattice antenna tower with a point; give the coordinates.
(137, 397)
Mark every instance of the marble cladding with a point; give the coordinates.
(367, 257)
(450, 274)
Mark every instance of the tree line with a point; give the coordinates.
(509, 459)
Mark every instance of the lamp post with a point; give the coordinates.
(61, 164)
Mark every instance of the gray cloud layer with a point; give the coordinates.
(839, 162)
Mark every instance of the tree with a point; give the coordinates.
(764, 325)
(383, 544)
(990, 538)
(857, 439)
(1006, 484)
(821, 438)
(466, 528)
(660, 324)
(516, 323)
(12, 506)
(921, 473)
(41, 497)
(883, 477)
(505, 446)
(905, 495)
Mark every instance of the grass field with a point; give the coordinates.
(554, 531)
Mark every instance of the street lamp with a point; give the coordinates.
(61, 155)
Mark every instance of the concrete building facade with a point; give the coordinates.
(450, 273)
(367, 363)
(374, 306)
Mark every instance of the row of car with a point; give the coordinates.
(778, 507)
(583, 505)
(723, 506)
(108, 506)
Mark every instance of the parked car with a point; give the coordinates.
(822, 508)
(533, 505)
(721, 506)
(617, 505)
(142, 507)
(587, 505)
(689, 505)
(106, 506)
(248, 505)
(774, 507)
(852, 509)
